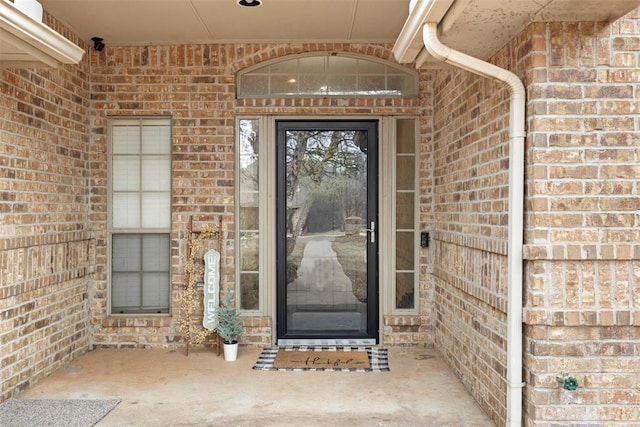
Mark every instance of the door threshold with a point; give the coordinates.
(328, 341)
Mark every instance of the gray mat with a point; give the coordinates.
(53, 413)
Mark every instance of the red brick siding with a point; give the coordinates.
(47, 250)
(581, 274)
(582, 254)
(582, 309)
(195, 85)
(470, 208)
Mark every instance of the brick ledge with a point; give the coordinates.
(559, 317)
(583, 251)
(30, 241)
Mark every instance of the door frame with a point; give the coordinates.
(372, 126)
(265, 311)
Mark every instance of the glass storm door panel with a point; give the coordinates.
(327, 230)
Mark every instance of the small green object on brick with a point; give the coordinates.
(570, 383)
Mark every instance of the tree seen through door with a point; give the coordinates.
(325, 223)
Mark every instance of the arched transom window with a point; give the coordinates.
(326, 74)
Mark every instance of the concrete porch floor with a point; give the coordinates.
(167, 388)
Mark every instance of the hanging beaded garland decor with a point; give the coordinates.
(190, 306)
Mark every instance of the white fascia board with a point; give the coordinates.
(33, 40)
(409, 42)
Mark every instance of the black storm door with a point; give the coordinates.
(327, 243)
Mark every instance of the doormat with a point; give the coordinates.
(323, 358)
(54, 413)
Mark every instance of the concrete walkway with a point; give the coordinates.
(321, 297)
(320, 280)
(167, 388)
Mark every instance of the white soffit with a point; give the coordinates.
(228, 21)
(135, 22)
(379, 20)
(479, 27)
(484, 26)
(585, 10)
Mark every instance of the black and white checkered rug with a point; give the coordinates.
(378, 358)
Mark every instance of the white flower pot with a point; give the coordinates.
(230, 351)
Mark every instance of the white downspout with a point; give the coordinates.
(516, 208)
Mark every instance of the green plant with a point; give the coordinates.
(228, 320)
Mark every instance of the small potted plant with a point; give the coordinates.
(229, 327)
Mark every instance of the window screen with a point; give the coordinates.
(140, 273)
(140, 215)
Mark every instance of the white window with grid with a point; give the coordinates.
(139, 214)
(327, 74)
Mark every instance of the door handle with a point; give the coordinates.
(372, 232)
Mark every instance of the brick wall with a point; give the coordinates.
(426, 216)
(583, 269)
(470, 203)
(181, 82)
(195, 85)
(470, 208)
(581, 274)
(47, 250)
(582, 255)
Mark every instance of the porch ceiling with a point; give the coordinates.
(478, 27)
(484, 26)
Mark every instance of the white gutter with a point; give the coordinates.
(427, 14)
(409, 43)
(33, 40)
(516, 208)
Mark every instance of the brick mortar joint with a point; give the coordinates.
(560, 317)
(27, 242)
(490, 297)
(481, 243)
(582, 252)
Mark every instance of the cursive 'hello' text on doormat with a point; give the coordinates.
(325, 358)
(321, 359)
